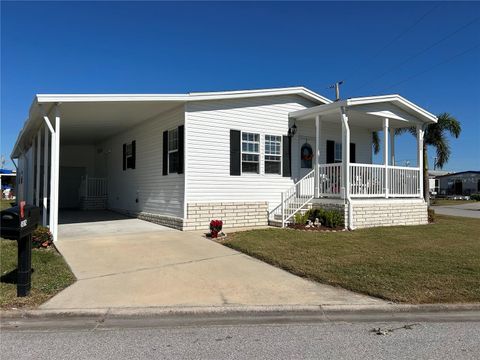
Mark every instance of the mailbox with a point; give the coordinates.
(18, 223)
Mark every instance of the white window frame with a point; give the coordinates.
(249, 152)
(171, 151)
(337, 159)
(279, 155)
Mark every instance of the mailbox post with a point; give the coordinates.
(18, 223)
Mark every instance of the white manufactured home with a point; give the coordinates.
(246, 157)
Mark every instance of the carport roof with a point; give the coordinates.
(118, 112)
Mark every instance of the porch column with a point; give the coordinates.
(54, 206)
(385, 154)
(317, 156)
(420, 134)
(392, 146)
(45, 176)
(37, 175)
(345, 153)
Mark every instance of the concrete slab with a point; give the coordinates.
(177, 269)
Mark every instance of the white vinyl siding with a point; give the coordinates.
(155, 193)
(208, 125)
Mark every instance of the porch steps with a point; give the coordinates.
(277, 218)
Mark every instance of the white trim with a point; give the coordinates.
(250, 153)
(395, 99)
(193, 96)
(386, 132)
(45, 176)
(37, 175)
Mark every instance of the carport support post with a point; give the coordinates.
(37, 180)
(56, 167)
(45, 177)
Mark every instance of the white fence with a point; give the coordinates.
(93, 187)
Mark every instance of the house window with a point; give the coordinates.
(173, 151)
(273, 157)
(338, 152)
(250, 153)
(129, 156)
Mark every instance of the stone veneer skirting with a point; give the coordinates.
(169, 221)
(379, 212)
(389, 212)
(233, 214)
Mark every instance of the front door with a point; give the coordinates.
(307, 151)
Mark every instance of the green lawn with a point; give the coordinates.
(51, 274)
(443, 202)
(435, 263)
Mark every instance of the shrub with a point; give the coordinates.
(42, 237)
(431, 215)
(301, 218)
(475, 197)
(330, 218)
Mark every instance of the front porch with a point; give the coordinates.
(337, 176)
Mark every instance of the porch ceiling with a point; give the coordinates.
(369, 112)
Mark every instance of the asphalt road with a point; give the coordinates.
(466, 210)
(281, 338)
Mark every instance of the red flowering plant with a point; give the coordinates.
(215, 227)
(41, 237)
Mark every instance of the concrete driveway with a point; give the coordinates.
(466, 210)
(132, 263)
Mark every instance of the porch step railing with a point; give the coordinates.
(93, 187)
(294, 199)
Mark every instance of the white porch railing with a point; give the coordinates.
(93, 187)
(404, 181)
(294, 199)
(329, 180)
(370, 180)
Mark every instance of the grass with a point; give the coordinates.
(443, 202)
(51, 274)
(435, 263)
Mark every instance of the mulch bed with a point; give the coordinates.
(314, 228)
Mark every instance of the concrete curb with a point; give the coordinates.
(324, 310)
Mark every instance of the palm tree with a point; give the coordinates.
(436, 136)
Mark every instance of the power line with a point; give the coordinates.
(396, 38)
(434, 66)
(419, 53)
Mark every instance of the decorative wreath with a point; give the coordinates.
(306, 152)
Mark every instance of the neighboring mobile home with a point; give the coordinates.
(246, 157)
(460, 183)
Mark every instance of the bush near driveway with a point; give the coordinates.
(435, 263)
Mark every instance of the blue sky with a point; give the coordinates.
(428, 52)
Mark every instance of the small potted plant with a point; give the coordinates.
(215, 228)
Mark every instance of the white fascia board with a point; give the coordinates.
(394, 98)
(59, 98)
(311, 95)
(219, 95)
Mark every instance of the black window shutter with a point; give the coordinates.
(287, 156)
(181, 147)
(124, 157)
(134, 154)
(165, 153)
(235, 154)
(330, 151)
(352, 153)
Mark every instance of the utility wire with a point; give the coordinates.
(434, 66)
(395, 39)
(419, 53)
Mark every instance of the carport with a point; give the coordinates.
(57, 162)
